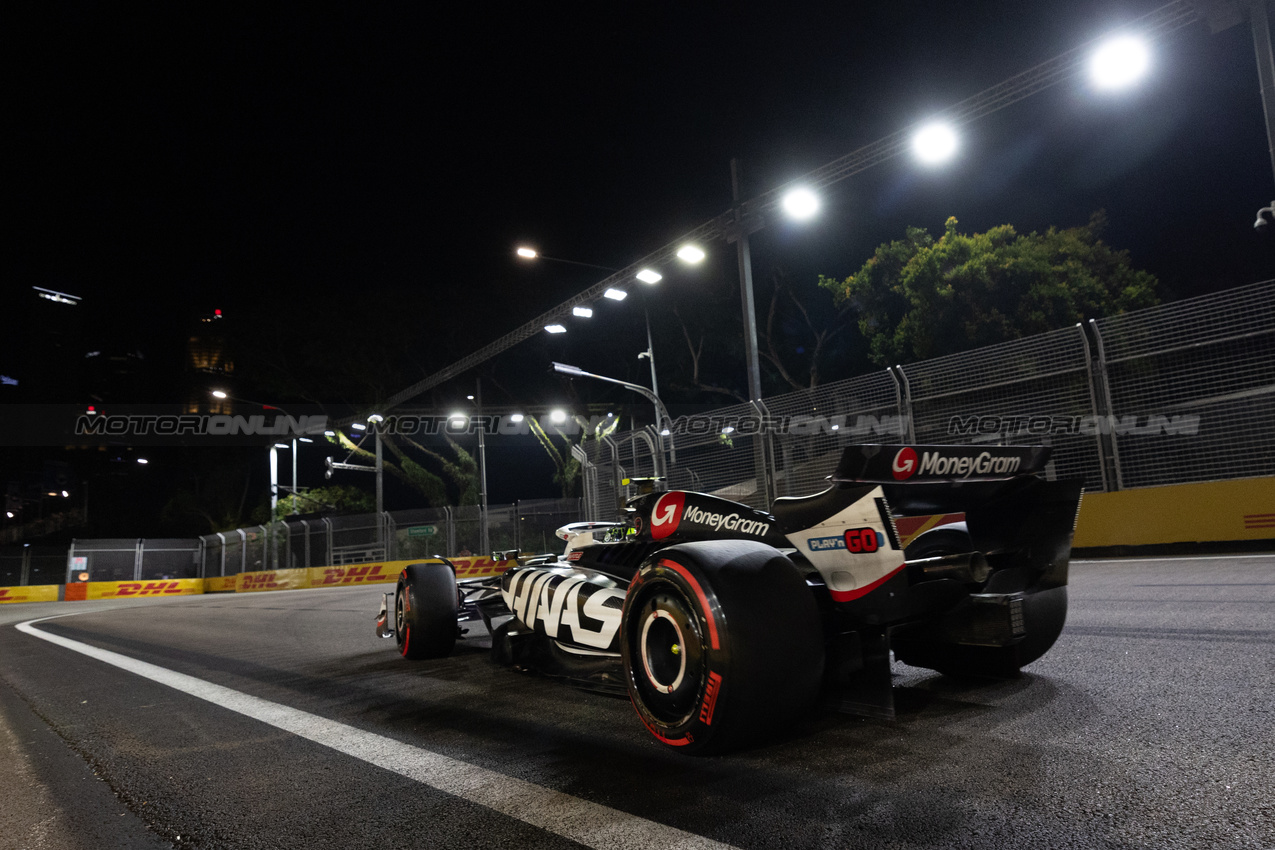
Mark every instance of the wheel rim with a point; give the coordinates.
(400, 616)
(663, 657)
(669, 670)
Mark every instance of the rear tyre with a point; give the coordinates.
(425, 605)
(722, 644)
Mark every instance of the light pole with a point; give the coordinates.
(274, 452)
(663, 423)
(619, 295)
(484, 537)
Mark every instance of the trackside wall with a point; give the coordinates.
(1211, 511)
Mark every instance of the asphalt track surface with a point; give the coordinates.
(280, 720)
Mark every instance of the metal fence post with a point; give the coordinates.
(137, 559)
(243, 550)
(305, 530)
(765, 463)
(1104, 459)
(327, 541)
(903, 392)
(391, 537)
(24, 572)
(222, 540)
(1105, 382)
(70, 561)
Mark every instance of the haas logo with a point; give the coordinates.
(667, 514)
(904, 463)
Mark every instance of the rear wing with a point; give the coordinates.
(873, 464)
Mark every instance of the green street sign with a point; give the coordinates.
(422, 531)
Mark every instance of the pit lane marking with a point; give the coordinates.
(578, 820)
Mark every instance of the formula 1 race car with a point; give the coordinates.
(724, 623)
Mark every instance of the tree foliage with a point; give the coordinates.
(566, 472)
(335, 497)
(919, 297)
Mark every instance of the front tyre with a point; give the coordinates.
(722, 644)
(425, 605)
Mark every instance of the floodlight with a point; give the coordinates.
(801, 204)
(934, 143)
(1119, 63)
(690, 254)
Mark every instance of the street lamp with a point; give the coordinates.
(687, 253)
(1119, 63)
(934, 143)
(663, 420)
(274, 452)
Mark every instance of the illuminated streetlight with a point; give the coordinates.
(615, 294)
(358, 426)
(1119, 63)
(934, 143)
(555, 329)
(143, 461)
(801, 204)
(690, 254)
(529, 253)
(582, 312)
(218, 394)
(649, 276)
(516, 417)
(557, 417)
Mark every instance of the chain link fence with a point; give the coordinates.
(1173, 394)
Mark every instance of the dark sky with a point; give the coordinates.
(173, 156)
(176, 157)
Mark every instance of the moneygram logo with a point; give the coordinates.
(904, 465)
(667, 514)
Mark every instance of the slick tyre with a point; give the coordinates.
(722, 645)
(425, 604)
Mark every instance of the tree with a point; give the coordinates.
(335, 497)
(566, 467)
(919, 298)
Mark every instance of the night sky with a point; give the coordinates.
(173, 158)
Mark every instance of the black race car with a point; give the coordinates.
(723, 623)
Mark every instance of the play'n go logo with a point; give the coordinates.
(904, 465)
(667, 514)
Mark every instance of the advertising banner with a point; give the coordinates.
(38, 593)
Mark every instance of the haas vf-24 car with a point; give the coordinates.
(724, 623)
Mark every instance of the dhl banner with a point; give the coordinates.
(139, 589)
(479, 567)
(38, 593)
(221, 584)
(379, 573)
(273, 580)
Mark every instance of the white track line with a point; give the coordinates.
(570, 817)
